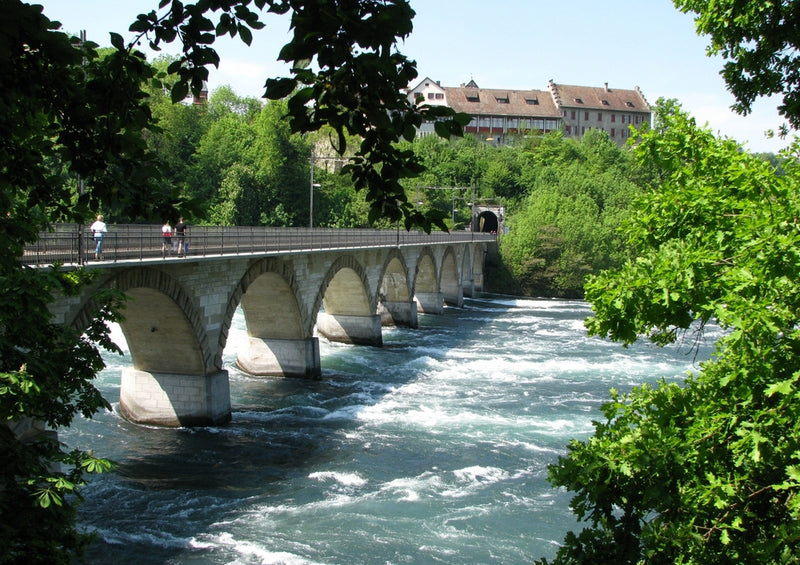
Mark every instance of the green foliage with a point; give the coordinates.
(704, 472)
(347, 75)
(46, 374)
(759, 42)
(567, 226)
(68, 112)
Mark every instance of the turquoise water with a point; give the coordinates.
(431, 449)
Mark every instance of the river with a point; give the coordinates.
(431, 449)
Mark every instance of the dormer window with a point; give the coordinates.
(473, 98)
(605, 102)
(629, 104)
(502, 100)
(532, 101)
(579, 101)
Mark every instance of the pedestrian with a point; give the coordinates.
(166, 245)
(99, 230)
(180, 232)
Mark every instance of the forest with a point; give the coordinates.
(233, 160)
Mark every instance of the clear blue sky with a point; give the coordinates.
(515, 44)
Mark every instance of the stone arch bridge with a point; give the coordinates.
(292, 285)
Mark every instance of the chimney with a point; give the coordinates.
(605, 84)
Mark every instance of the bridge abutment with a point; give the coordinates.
(281, 357)
(358, 330)
(173, 400)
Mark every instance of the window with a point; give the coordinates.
(613, 118)
(613, 131)
(473, 98)
(578, 101)
(583, 130)
(605, 102)
(430, 96)
(568, 130)
(636, 120)
(502, 100)
(532, 101)
(586, 116)
(629, 104)
(439, 96)
(599, 116)
(573, 115)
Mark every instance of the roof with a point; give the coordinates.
(501, 102)
(422, 84)
(599, 98)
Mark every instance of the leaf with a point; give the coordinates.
(117, 41)
(277, 89)
(245, 34)
(180, 90)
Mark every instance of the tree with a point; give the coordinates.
(760, 42)
(347, 75)
(575, 196)
(67, 113)
(75, 130)
(706, 472)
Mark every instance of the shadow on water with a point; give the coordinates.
(281, 428)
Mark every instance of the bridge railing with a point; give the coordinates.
(73, 244)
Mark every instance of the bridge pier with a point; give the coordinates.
(429, 302)
(455, 297)
(173, 400)
(281, 357)
(398, 313)
(358, 330)
(468, 289)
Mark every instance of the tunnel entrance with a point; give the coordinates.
(487, 222)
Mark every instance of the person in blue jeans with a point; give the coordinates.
(99, 230)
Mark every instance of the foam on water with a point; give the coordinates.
(433, 448)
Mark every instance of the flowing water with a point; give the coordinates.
(431, 449)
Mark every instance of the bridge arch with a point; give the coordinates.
(396, 307)
(279, 340)
(449, 279)
(395, 285)
(426, 284)
(345, 289)
(426, 277)
(164, 316)
(349, 315)
(177, 377)
(271, 302)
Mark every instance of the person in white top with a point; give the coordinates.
(166, 246)
(98, 231)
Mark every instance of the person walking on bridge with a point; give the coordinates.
(166, 245)
(180, 234)
(99, 230)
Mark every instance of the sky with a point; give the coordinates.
(513, 44)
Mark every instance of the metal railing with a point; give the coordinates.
(135, 242)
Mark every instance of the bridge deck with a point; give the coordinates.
(72, 244)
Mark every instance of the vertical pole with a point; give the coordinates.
(311, 195)
(472, 214)
(81, 186)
